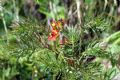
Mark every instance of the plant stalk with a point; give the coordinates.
(5, 28)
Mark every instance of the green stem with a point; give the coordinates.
(6, 31)
(16, 11)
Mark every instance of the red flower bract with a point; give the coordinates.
(54, 35)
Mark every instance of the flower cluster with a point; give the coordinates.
(56, 28)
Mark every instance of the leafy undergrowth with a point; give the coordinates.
(35, 57)
(82, 47)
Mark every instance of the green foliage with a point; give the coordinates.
(26, 53)
(56, 11)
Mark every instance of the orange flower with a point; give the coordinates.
(54, 26)
(58, 24)
(54, 35)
